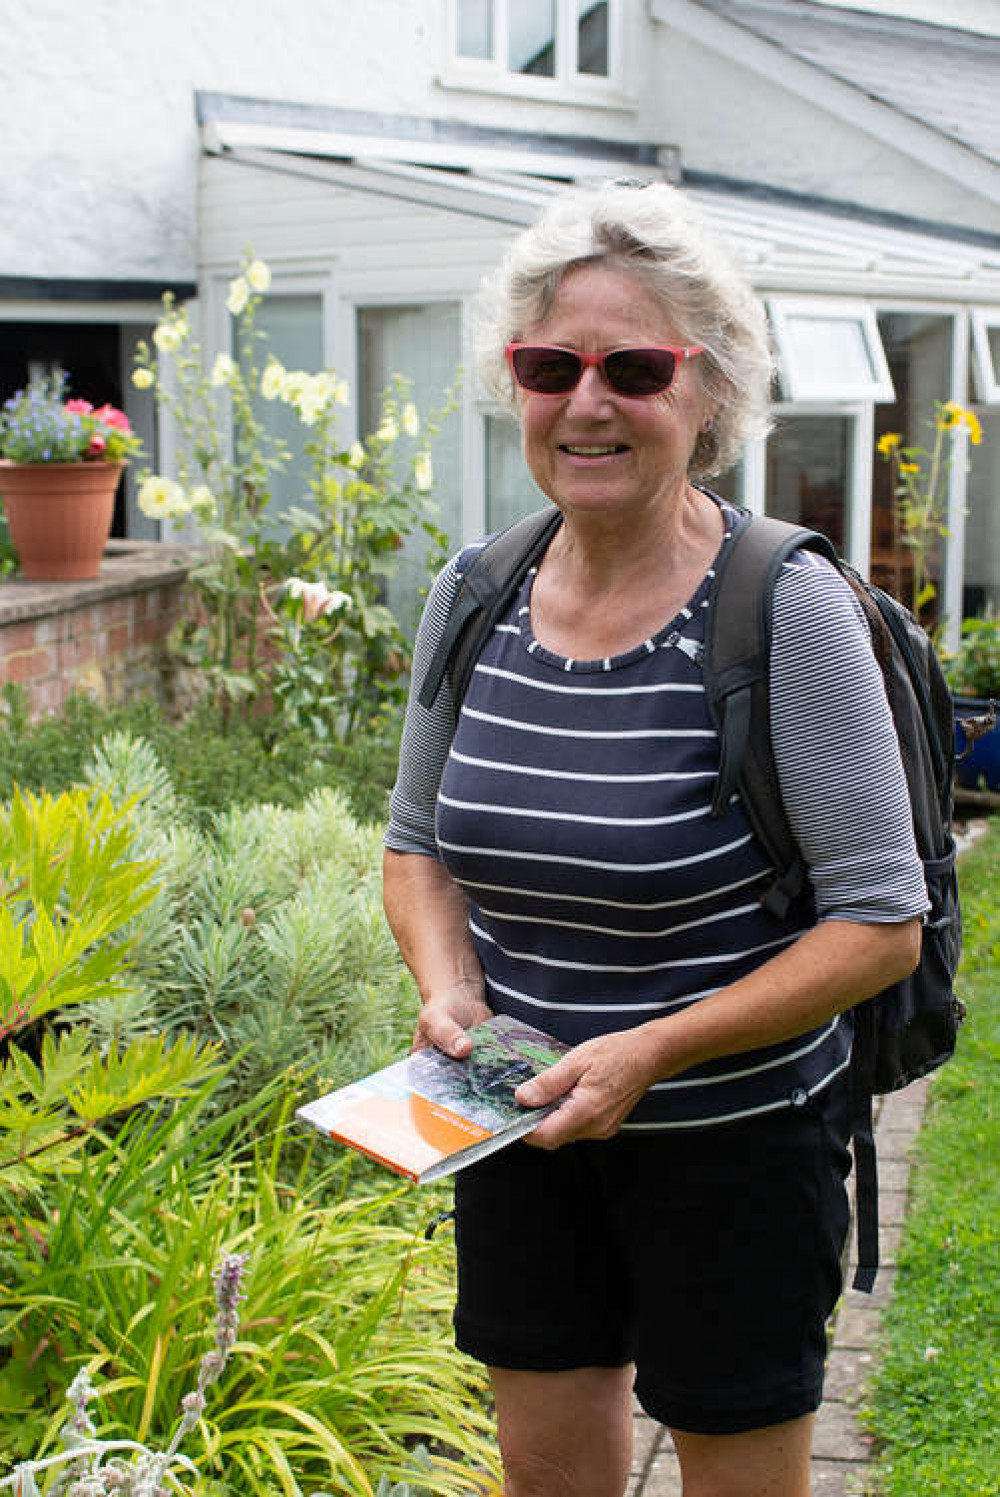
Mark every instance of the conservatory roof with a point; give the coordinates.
(786, 241)
(943, 77)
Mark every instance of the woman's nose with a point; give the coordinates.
(591, 392)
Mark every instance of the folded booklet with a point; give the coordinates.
(429, 1115)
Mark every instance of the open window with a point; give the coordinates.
(986, 353)
(829, 350)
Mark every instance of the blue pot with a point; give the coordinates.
(981, 769)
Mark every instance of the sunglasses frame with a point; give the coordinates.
(599, 361)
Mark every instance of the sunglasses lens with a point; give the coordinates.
(547, 371)
(640, 371)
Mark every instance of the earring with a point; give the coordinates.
(708, 423)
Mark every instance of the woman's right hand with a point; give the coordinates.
(446, 1017)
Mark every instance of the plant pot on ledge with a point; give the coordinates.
(59, 516)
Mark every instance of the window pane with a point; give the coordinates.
(807, 458)
(510, 492)
(424, 344)
(475, 28)
(829, 352)
(993, 339)
(531, 37)
(981, 591)
(592, 37)
(293, 326)
(918, 349)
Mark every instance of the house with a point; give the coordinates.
(378, 157)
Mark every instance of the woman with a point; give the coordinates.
(676, 1224)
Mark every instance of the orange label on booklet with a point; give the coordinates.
(445, 1131)
(407, 1133)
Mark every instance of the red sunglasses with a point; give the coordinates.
(545, 370)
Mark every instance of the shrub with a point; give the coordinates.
(212, 765)
(344, 1360)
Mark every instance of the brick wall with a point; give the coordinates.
(105, 637)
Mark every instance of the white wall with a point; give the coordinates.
(99, 142)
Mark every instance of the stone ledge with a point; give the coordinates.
(127, 567)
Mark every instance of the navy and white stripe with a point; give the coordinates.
(574, 811)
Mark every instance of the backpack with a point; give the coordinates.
(911, 1028)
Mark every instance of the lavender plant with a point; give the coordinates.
(100, 1468)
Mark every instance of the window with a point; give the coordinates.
(808, 473)
(423, 343)
(986, 353)
(510, 490)
(293, 327)
(829, 350)
(561, 40)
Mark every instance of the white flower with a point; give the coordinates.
(272, 381)
(239, 295)
(161, 498)
(931, 1353)
(292, 385)
(317, 598)
(143, 379)
(423, 472)
(315, 394)
(202, 499)
(222, 370)
(356, 456)
(388, 431)
(168, 336)
(342, 392)
(411, 420)
(258, 274)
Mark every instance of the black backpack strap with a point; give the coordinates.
(485, 591)
(736, 674)
(862, 1085)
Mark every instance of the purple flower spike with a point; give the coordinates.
(228, 1276)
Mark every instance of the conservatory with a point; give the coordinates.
(377, 235)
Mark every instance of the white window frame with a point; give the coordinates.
(987, 369)
(568, 86)
(784, 310)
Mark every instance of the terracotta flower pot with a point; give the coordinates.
(59, 516)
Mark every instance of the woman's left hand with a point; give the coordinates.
(599, 1083)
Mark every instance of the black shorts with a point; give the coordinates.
(710, 1259)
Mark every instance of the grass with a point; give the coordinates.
(936, 1393)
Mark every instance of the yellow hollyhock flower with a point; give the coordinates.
(143, 379)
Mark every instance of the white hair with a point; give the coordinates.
(654, 232)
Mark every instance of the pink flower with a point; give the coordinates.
(96, 446)
(78, 407)
(111, 416)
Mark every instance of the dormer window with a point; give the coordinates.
(565, 41)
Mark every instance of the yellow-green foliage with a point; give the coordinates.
(69, 887)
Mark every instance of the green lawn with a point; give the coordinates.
(936, 1396)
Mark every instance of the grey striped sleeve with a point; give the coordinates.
(426, 734)
(836, 752)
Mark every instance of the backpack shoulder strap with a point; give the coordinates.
(736, 674)
(484, 592)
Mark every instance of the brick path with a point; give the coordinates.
(841, 1448)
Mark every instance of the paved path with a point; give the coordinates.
(841, 1448)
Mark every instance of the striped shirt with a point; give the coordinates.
(572, 807)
